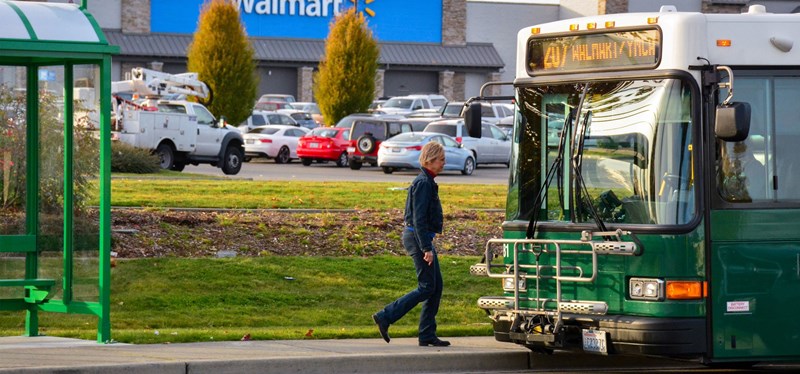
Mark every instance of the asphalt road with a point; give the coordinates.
(321, 172)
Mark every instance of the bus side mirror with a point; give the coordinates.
(732, 122)
(472, 120)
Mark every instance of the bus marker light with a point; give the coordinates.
(723, 42)
(652, 20)
(684, 290)
(610, 24)
(646, 289)
(591, 26)
(535, 30)
(574, 27)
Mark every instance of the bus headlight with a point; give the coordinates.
(508, 284)
(646, 289)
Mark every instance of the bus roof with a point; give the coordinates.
(755, 38)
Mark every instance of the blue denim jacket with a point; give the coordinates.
(424, 210)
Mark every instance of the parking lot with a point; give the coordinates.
(320, 172)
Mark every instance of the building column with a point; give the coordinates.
(156, 65)
(379, 87)
(459, 83)
(454, 22)
(710, 6)
(612, 6)
(125, 69)
(305, 83)
(493, 90)
(446, 84)
(135, 16)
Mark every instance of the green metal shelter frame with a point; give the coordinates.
(55, 151)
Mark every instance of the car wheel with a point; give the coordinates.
(366, 144)
(283, 155)
(178, 166)
(342, 161)
(355, 165)
(387, 170)
(469, 166)
(306, 161)
(166, 156)
(232, 160)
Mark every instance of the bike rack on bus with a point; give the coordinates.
(516, 273)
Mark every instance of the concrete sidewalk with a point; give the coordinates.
(51, 354)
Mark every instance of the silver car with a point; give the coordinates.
(493, 147)
(402, 152)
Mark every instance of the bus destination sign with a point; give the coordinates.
(609, 50)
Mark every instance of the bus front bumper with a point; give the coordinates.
(676, 337)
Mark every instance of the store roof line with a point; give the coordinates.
(471, 55)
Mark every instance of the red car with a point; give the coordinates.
(324, 144)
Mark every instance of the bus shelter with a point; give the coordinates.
(55, 149)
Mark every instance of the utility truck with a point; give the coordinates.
(649, 213)
(181, 132)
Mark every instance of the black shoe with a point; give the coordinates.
(383, 328)
(435, 343)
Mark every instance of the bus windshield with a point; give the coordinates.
(626, 153)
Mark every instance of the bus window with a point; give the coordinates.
(745, 169)
(636, 152)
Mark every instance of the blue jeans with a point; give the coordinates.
(428, 292)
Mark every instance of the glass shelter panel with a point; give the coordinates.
(617, 151)
(13, 163)
(51, 176)
(85, 169)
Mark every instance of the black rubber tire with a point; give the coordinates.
(166, 156)
(469, 166)
(342, 161)
(355, 165)
(232, 160)
(388, 170)
(366, 144)
(178, 166)
(283, 155)
(306, 161)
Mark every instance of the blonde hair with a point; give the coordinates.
(430, 152)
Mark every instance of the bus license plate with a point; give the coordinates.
(594, 341)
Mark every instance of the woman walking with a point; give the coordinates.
(423, 220)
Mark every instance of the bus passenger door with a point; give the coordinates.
(755, 233)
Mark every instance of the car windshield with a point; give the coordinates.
(442, 129)
(398, 103)
(264, 130)
(453, 109)
(627, 152)
(409, 137)
(302, 116)
(324, 132)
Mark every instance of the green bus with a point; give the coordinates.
(651, 209)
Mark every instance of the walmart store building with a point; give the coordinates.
(451, 47)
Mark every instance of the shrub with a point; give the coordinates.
(222, 56)
(345, 82)
(126, 158)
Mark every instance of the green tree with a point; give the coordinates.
(223, 57)
(345, 82)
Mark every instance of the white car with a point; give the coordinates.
(410, 103)
(278, 142)
(493, 147)
(262, 118)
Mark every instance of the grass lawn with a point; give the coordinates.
(279, 297)
(157, 300)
